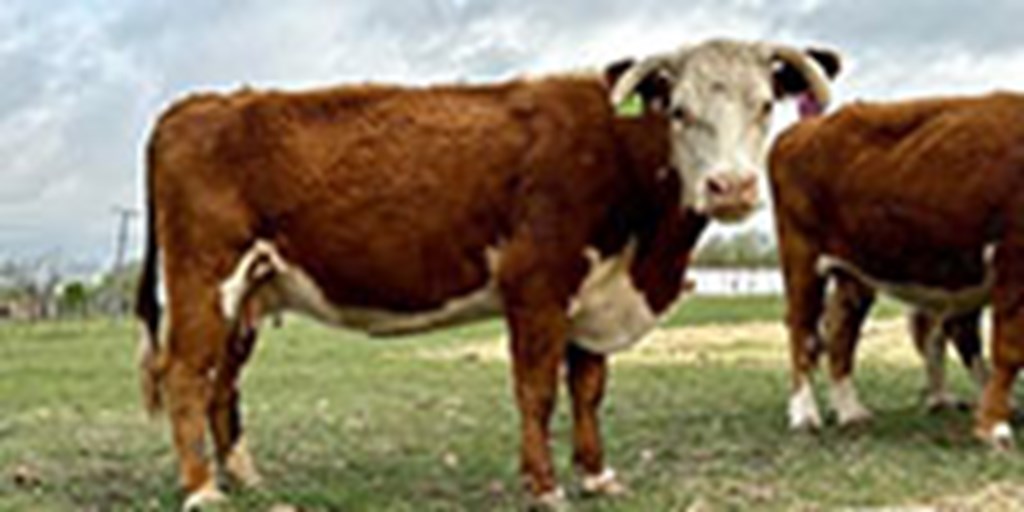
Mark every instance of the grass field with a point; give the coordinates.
(340, 422)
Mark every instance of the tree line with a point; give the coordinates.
(39, 289)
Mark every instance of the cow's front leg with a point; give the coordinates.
(587, 375)
(846, 308)
(804, 297)
(538, 345)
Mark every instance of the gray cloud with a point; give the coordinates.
(82, 81)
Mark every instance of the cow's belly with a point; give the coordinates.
(609, 313)
(264, 282)
(935, 299)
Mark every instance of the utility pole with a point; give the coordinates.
(125, 217)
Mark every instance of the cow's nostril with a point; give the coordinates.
(717, 185)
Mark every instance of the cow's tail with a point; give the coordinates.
(147, 304)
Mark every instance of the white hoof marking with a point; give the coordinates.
(240, 467)
(208, 494)
(553, 500)
(849, 409)
(803, 409)
(1002, 435)
(941, 400)
(605, 483)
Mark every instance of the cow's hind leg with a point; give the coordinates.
(587, 375)
(929, 334)
(847, 306)
(225, 418)
(965, 331)
(993, 415)
(197, 338)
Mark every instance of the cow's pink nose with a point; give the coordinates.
(731, 184)
(730, 196)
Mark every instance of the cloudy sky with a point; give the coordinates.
(82, 80)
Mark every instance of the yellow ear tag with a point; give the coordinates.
(631, 106)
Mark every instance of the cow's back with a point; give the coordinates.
(388, 197)
(911, 190)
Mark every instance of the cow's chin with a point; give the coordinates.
(730, 213)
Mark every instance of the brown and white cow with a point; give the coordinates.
(923, 200)
(847, 306)
(394, 210)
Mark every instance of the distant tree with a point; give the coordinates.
(33, 283)
(74, 299)
(747, 249)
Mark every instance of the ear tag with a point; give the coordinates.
(631, 106)
(809, 106)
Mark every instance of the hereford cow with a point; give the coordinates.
(394, 210)
(846, 308)
(922, 200)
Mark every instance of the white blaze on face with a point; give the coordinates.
(719, 99)
(720, 113)
(609, 313)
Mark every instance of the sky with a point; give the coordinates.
(83, 80)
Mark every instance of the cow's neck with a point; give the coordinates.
(663, 256)
(666, 234)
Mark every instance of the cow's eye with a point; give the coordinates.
(682, 115)
(766, 108)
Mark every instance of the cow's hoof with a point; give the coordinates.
(803, 411)
(206, 496)
(240, 468)
(941, 402)
(999, 437)
(849, 409)
(853, 417)
(605, 483)
(551, 501)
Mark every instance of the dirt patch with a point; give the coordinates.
(753, 342)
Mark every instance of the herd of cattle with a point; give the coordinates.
(570, 205)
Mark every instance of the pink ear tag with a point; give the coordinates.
(808, 105)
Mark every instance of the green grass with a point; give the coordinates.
(340, 422)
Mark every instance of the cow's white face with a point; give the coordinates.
(719, 97)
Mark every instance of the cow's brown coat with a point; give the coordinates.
(908, 192)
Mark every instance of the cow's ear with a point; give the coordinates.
(791, 74)
(647, 79)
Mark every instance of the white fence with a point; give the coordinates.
(736, 281)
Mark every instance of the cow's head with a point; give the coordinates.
(719, 97)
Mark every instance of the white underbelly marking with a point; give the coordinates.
(608, 313)
(264, 276)
(936, 300)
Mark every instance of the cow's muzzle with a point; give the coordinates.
(730, 197)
